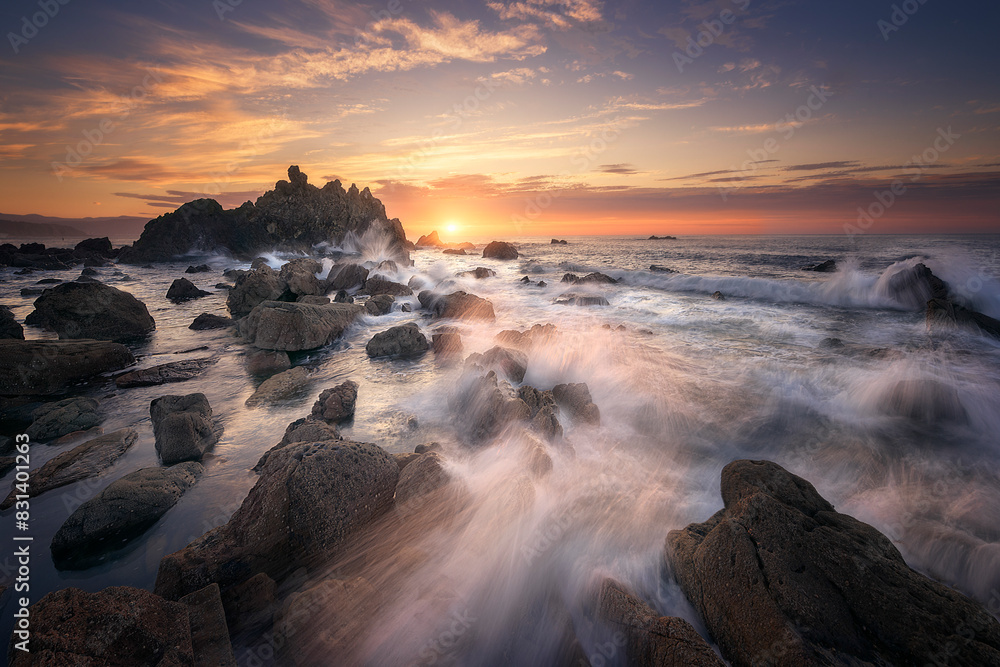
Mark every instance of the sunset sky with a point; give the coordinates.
(478, 118)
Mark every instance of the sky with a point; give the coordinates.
(533, 117)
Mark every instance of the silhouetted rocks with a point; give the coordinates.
(183, 427)
(275, 325)
(657, 268)
(54, 420)
(279, 387)
(829, 266)
(96, 246)
(183, 289)
(431, 240)
(10, 328)
(779, 577)
(662, 238)
(402, 341)
(207, 321)
(44, 367)
(558, 242)
(91, 310)
(336, 404)
(942, 313)
(500, 250)
(293, 216)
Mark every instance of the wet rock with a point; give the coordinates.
(943, 314)
(425, 447)
(10, 328)
(542, 408)
(253, 288)
(651, 639)
(915, 286)
(447, 345)
(378, 285)
(201, 268)
(387, 266)
(37, 367)
(558, 242)
(279, 387)
(123, 510)
(98, 246)
(183, 289)
(482, 410)
(299, 276)
(183, 427)
(267, 362)
(343, 297)
(209, 632)
(53, 420)
(116, 626)
(207, 321)
(275, 325)
(779, 577)
(479, 273)
(500, 250)
(346, 276)
(657, 268)
(310, 498)
(176, 371)
(307, 429)
(337, 404)
(313, 300)
(250, 606)
(590, 278)
(91, 310)
(418, 479)
(87, 460)
(927, 401)
(226, 286)
(829, 266)
(511, 364)
(402, 341)
(454, 251)
(718, 296)
(380, 304)
(89, 271)
(457, 305)
(578, 403)
(513, 338)
(581, 299)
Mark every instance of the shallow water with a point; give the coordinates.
(690, 384)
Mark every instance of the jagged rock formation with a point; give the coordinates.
(293, 216)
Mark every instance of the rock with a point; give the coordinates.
(116, 626)
(418, 479)
(927, 401)
(250, 606)
(123, 510)
(831, 344)
(310, 498)
(513, 338)
(379, 285)
(402, 341)
(423, 448)
(431, 239)
(578, 403)
(590, 278)
(404, 459)
(343, 297)
(416, 282)
(267, 362)
(307, 429)
(943, 313)
(405, 308)
(299, 276)
(201, 268)
(44, 367)
(500, 250)
(91, 310)
(479, 273)
(294, 216)
(546, 423)
(275, 325)
(337, 404)
(209, 633)
(581, 299)
(226, 286)
(346, 276)
(718, 296)
(254, 288)
(651, 639)
(511, 364)
(183, 427)
(233, 274)
(313, 300)
(183, 289)
(176, 371)
(53, 420)
(660, 269)
(482, 410)
(446, 345)
(10, 328)
(913, 287)
(207, 321)
(89, 271)
(535, 399)
(99, 246)
(662, 238)
(279, 387)
(557, 242)
(458, 305)
(829, 266)
(454, 251)
(87, 460)
(779, 577)
(380, 304)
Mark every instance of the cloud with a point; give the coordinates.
(822, 165)
(622, 169)
(557, 14)
(174, 198)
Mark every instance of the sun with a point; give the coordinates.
(451, 227)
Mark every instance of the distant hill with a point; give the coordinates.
(120, 228)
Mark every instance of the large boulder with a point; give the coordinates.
(576, 399)
(913, 287)
(275, 325)
(310, 498)
(300, 277)
(183, 289)
(279, 387)
(380, 304)
(781, 578)
(207, 321)
(91, 310)
(307, 429)
(500, 250)
(447, 345)
(54, 420)
(336, 404)
(254, 288)
(45, 367)
(267, 362)
(183, 427)
(9, 326)
(122, 511)
(175, 371)
(346, 276)
(405, 340)
(942, 313)
(510, 364)
(294, 216)
(457, 305)
(379, 285)
(419, 478)
(483, 407)
(96, 246)
(87, 460)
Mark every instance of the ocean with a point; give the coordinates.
(805, 369)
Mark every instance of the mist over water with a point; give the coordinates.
(894, 426)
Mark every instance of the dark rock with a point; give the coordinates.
(557, 242)
(10, 328)
(662, 238)
(446, 345)
(511, 364)
(500, 250)
(86, 279)
(101, 246)
(87, 460)
(267, 362)
(183, 289)
(829, 266)
(542, 283)
(207, 321)
(49, 281)
(209, 633)
(405, 308)
(299, 276)
(91, 310)
(927, 401)
(54, 420)
(183, 427)
(250, 606)
(176, 371)
(915, 286)
(651, 639)
(380, 304)
(831, 343)
(402, 341)
(343, 297)
(275, 325)
(313, 300)
(546, 423)
(779, 577)
(387, 266)
(482, 410)
(122, 511)
(578, 403)
(307, 429)
(279, 387)
(943, 313)
(44, 367)
(581, 299)
(454, 251)
(718, 296)
(346, 276)
(590, 278)
(233, 274)
(427, 447)
(116, 626)
(310, 498)
(379, 285)
(337, 404)
(479, 273)
(254, 288)
(419, 478)
(201, 268)
(657, 268)
(226, 286)
(293, 216)
(90, 271)
(458, 305)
